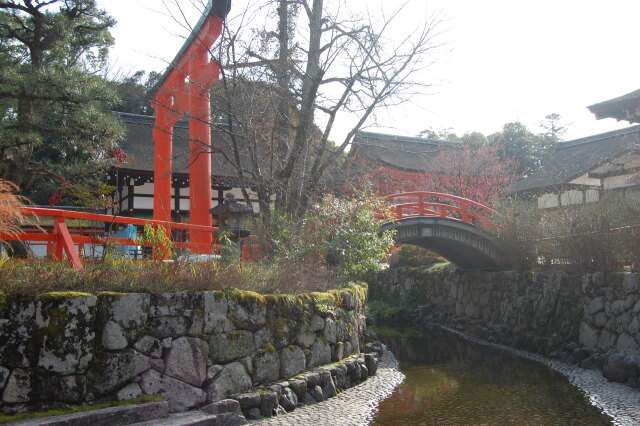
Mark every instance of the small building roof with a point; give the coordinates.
(401, 152)
(574, 158)
(626, 107)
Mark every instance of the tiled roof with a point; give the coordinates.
(575, 158)
(626, 107)
(139, 147)
(402, 152)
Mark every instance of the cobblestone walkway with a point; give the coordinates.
(620, 402)
(355, 406)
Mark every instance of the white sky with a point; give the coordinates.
(505, 60)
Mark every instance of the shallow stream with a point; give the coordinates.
(450, 381)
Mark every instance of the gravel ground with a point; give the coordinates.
(354, 406)
(620, 402)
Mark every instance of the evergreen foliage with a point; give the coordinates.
(54, 109)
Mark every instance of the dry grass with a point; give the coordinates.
(19, 277)
(10, 215)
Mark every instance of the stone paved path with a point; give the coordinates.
(620, 402)
(355, 406)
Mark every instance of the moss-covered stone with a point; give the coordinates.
(247, 310)
(65, 331)
(3, 304)
(268, 348)
(225, 347)
(283, 331)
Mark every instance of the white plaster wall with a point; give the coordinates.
(548, 201)
(592, 196)
(616, 182)
(571, 197)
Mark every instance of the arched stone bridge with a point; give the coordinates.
(454, 227)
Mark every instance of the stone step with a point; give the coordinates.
(197, 418)
(113, 416)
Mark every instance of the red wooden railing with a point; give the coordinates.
(61, 239)
(413, 204)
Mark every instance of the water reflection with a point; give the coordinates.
(453, 382)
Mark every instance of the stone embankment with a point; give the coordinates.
(193, 348)
(591, 320)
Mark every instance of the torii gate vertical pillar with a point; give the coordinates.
(172, 98)
(203, 77)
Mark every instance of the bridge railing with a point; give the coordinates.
(64, 239)
(412, 204)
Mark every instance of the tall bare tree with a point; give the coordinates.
(291, 69)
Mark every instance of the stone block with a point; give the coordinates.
(170, 326)
(606, 341)
(316, 323)
(283, 331)
(596, 305)
(268, 403)
(123, 318)
(630, 301)
(4, 376)
(372, 364)
(248, 400)
(266, 368)
(288, 399)
(247, 313)
(186, 360)
(630, 283)
(177, 303)
(122, 415)
(627, 343)
(179, 395)
(299, 386)
(305, 339)
(600, 319)
(319, 354)
(71, 389)
(114, 369)
(222, 406)
(225, 347)
(216, 309)
(619, 367)
(20, 387)
(252, 414)
(617, 307)
(233, 378)
(149, 346)
(330, 332)
(130, 391)
(65, 332)
(337, 352)
(634, 326)
(328, 387)
(292, 362)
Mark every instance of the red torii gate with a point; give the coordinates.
(184, 89)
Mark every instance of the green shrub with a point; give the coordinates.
(419, 257)
(380, 312)
(342, 233)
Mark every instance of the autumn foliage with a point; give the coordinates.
(471, 172)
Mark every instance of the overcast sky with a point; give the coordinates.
(504, 60)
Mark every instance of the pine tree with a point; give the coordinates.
(55, 122)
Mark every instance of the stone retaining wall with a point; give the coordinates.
(191, 347)
(593, 320)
